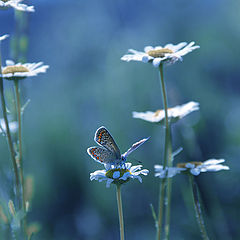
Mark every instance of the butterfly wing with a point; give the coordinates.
(101, 155)
(104, 138)
(134, 147)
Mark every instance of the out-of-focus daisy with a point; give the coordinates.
(211, 165)
(3, 37)
(174, 114)
(167, 172)
(19, 71)
(119, 175)
(195, 168)
(12, 125)
(4, 4)
(170, 53)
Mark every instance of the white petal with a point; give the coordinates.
(195, 171)
(3, 37)
(146, 58)
(213, 161)
(144, 172)
(9, 62)
(130, 57)
(156, 62)
(108, 183)
(158, 167)
(215, 168)
(175, 48)
(135, 168)
(148, 48)
(128, 165)
(150, 116)
(139, 178)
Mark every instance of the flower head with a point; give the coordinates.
(170, 53)
(19, 71)
(118, 175)
(211, 165)
(194, 168)
(174, 114)
(4, 4)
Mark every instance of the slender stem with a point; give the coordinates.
(169, 187)
(167, 162)
(161, 204)
(168, 210)
(19, 116)
(197, 207)
(20, 166)
(120, 211)
(9, 138)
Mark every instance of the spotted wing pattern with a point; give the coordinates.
(104, 138)
(134, 147)
(101, 155)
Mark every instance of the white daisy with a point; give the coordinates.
(4, 4)
(170, 53)
(3, 37)
(195, 168)
(211, 165)
(118, 175)
(174, 114)
(19, 71)
(13, 126)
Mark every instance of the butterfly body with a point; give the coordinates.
(108, 152)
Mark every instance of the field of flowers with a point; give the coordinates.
(119, 120)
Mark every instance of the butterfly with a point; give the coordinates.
(108, 152)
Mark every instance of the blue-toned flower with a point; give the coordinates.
(170, 53)
(16, 4)
(211, 165)
(195, 168)
(174, 114)
(118, 175)
(19, 71)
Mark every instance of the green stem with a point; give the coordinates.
(120, 211)
(167, 162)
(9, 138)
(161, 204)
(197, 207)
(19, 116)
(169, 187)
(168, 210)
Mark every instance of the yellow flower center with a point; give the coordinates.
(159, 52)
(14, 69)
(110, 173)
(183, 165)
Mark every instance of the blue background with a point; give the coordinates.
(88, 86)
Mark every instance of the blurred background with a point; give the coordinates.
(88, 86)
